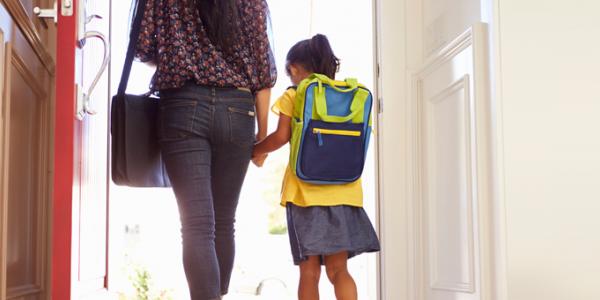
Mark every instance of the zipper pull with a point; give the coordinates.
(320, 138)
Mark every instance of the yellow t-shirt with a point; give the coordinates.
(305, 194)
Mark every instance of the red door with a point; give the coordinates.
(79, 231)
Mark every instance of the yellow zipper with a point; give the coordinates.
(336, 132)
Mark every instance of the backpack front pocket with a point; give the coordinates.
(332, 152)
(320, 132)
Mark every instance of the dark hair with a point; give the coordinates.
(315, 55)
(221, 21)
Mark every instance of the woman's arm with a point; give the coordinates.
(276, 139)
(262, 112)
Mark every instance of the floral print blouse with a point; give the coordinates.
(173, 37)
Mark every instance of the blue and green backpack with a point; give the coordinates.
(331, 127)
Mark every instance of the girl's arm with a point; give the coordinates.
(262, 112)
(276, 139)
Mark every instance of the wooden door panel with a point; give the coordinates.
(25, 141)
(32, 63)
(22, 202)
(27, 242)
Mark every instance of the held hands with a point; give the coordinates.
(268, 144)
(258, 159)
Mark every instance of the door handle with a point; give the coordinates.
(83, 98)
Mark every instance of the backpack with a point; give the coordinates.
(331, 127)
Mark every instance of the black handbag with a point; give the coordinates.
(136, 158)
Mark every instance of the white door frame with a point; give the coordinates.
(390, 56)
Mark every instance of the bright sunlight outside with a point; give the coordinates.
(145, 242)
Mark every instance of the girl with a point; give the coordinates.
(326, 223)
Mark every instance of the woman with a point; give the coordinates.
(214, 73)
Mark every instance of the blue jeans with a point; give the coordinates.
(206, 136)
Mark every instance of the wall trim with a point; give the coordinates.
(499, 228)
(393, 200)
(17, 11)
(490, 214)
(377, 109)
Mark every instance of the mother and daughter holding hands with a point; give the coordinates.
(214, 74)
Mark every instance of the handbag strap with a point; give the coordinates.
(133, 38)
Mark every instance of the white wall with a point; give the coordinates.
(549, 147)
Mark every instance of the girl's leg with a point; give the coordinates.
(310, 272)
(337, 272)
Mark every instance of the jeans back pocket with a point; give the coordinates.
(176, 119)
(241, 125)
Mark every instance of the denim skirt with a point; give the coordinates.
(326, 230)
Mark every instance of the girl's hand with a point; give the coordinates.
(259, 160)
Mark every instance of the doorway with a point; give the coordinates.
(145, 243)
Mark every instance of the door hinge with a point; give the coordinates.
(67, 8)
(380, 105)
